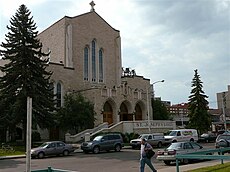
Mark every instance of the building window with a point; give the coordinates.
(86, 64)
(94, 61)
(101, 75)
(59, 95)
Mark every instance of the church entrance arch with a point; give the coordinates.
(124, 112)
(138, 112)
(108, 113)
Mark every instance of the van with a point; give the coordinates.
(181, 135)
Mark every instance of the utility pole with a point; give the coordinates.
(223, 109)
(28, 134)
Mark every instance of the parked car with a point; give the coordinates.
(103, 143)
(181, 135)
(168, 155)
(52, 148)
(207, 137)
(223, 141)
(155, 139)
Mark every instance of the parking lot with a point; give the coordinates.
(125, 161)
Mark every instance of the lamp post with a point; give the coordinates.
(223, 108)
(147, 91)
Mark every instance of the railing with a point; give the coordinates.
(205, 155)
(49, 169)
(80, 136)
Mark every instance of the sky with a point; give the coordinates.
(161, 39)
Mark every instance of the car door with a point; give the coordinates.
(60, 147)
(187, 147)
(50, 149)
(179, 136)
(104, 144)
(150, 139)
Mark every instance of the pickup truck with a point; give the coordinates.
(155, 139)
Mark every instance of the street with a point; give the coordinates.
(125, 161)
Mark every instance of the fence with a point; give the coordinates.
(205, 155)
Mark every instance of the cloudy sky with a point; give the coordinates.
(161, 39)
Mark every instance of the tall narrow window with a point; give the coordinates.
(86, 64)
(93, 61)
(101, 66)
(59, 95)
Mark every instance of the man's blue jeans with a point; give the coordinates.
(147, 161)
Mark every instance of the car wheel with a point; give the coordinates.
(117, 148)
(96, 150)
(41, 155)
(167, 162)
(65, 152)
(191, 140)
(159, 145)
(185, 161)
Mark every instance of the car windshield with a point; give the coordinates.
(44, 145)
(175, 146)
(144, 137)
(98, 138)
(173, 133)
(204, 135)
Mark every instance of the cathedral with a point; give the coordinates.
(86, 57)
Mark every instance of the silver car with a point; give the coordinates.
(52, 148)
(169, 154)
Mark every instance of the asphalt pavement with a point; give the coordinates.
(182, 168)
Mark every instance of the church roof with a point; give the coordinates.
(81, 16)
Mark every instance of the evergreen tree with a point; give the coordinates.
(25, 74)
(159, 110)
(199, 118)
(77, 114)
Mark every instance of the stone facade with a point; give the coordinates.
(117, 95)
(86, 57)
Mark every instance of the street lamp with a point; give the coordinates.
(223, 108)
(147, 91)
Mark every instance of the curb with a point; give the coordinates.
(12, 157)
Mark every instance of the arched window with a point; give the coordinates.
(94, 61)
(86, 64)
(59, 94)
(101, 75)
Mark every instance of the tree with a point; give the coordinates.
(25, 74)
(199, 118)
(77, 113)
(159, 110)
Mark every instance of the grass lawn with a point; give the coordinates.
(18, 150)
(217, 168)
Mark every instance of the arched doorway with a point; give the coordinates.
(124, 115)
(107, 113)
(138, 112)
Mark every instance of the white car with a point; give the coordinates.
(169, 154)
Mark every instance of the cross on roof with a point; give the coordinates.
(92, 5)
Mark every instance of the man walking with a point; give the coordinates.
(144, 160)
